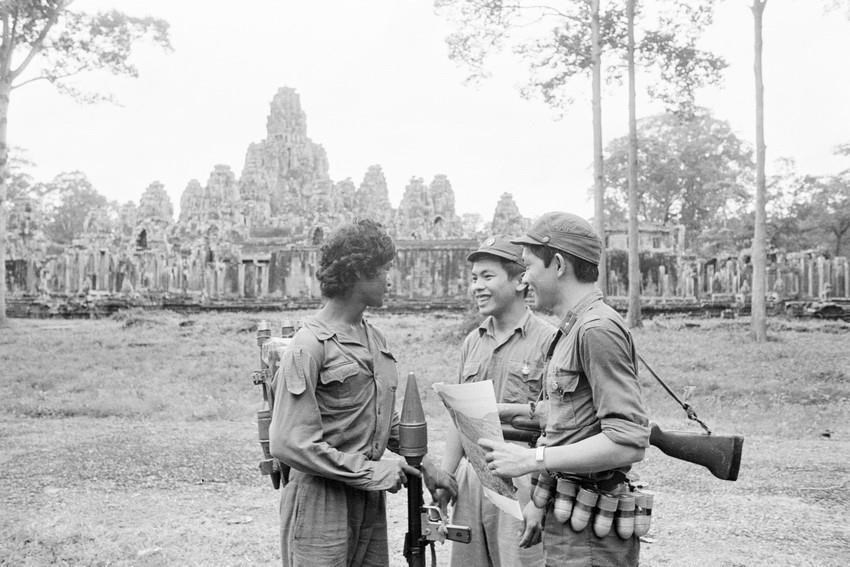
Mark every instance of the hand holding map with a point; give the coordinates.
(475, 415)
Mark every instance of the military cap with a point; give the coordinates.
(565, 232)
(499, 246)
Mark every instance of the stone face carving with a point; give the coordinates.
(444, 222)
(372, 199)
(507, 219)
(428, 213)
(257, 234)
(128, 214)
(414, 211)
(155, 204)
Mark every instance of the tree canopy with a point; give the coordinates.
(65, 203)
(692, 170)
(43, 40)
(819, 216)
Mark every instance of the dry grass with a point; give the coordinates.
(132, 441)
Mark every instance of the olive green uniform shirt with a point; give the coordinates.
(514, 364)
(334, 411)
(591, 380)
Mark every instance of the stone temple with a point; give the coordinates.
(257, 237)
(252, 235)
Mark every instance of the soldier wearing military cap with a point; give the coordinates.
(596, 425)
(507, 349)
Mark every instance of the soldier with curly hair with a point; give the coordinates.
(334, 414)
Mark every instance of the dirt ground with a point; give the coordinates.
(162, 483)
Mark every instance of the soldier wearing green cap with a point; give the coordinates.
(507, 349)
(596, 425)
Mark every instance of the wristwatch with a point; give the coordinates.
(540, 457)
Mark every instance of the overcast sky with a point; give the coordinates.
(378, 88)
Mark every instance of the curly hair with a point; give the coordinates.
(353, 252)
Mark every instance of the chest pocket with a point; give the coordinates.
(471, 371)
(386, 366)
(570, 398)
(522, 381)
(337, 386)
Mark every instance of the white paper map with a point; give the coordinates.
(473, 410)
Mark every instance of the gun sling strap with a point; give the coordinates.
(689, 411)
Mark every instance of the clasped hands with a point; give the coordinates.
(438, 481)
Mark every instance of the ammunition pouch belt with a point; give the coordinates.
(604, 502)
(606, 481)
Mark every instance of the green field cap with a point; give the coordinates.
(566, 232)
(499, 246)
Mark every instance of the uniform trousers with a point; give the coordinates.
(565, 547)
(325, 523)
(495, 534)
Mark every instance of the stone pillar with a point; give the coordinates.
(699, 283)
(221, 269)
(808, 276)
(846, 277)
(828, 273)
(241, 279)
(263, 276)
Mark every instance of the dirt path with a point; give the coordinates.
(118, 492)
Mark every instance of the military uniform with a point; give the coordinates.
(515, 365)
(591, 387)
(333, 419)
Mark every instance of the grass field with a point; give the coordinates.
(132, 441)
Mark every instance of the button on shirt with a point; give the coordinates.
(334, 412)
(591, 380)
(514, 363)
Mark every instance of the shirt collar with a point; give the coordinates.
(578, 309)
(322, 330)
(487, 325)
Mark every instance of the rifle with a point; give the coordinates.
(425, 524)
(720, 454)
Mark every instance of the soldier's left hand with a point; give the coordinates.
(404, 470)
(435, 477)
(532, 529)
(507, 460)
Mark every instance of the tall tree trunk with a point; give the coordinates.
(633, 314)
(5, 89)
(759, 256)
(598, 186)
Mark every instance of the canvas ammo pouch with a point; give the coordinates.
(604, 502)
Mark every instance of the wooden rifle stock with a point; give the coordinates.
(720, 454)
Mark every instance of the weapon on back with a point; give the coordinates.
(720, 454)
(425, 524)
(270, 350)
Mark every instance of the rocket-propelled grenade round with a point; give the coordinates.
(412, 429)
(264, 332)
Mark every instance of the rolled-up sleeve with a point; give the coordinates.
(296, 434)
(608, 357)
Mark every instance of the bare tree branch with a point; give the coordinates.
(39, 78)
(36, 46)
